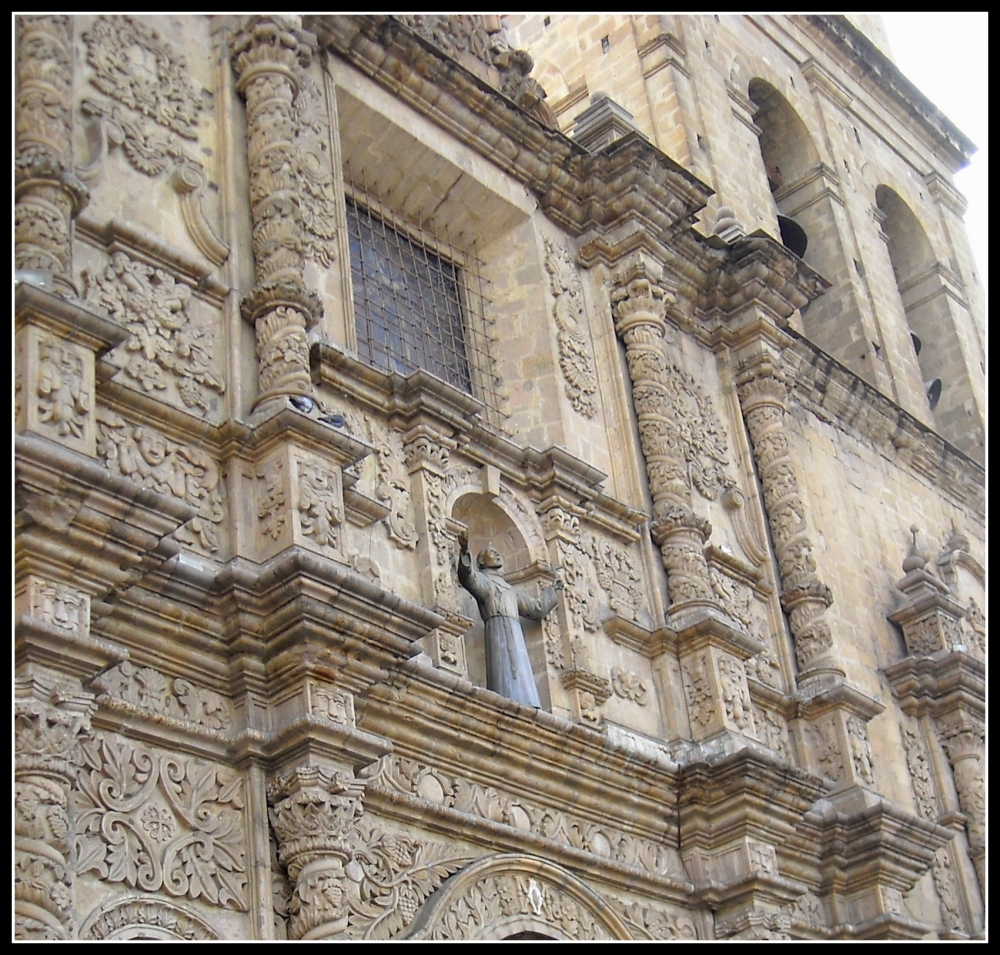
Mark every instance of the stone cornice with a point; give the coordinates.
(939, 684)
(836, 395)
(462, 729)
(865, 59)
(420, 400)
(630, 186)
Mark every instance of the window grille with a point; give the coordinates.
(418, 302)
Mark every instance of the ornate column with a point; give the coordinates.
(312, 811)
(964, 742)
(46, 757)
(47, 194)
(762, 393)
(639, 301)
(269, 54)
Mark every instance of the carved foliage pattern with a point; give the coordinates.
(762, 397)
(47, 752)
(495, 898)
(137, 918)
(735, 695)
(827, 753)
(134, 66)
(64, 397)
(153, 305)
(629, 686)
(455, 792)
(861, 752)
(575, 354)
(392, 485)
(158, 822)
(772, 730)
(150, 690)
(650, 923)
(320, 505)
(273, 500)
(181, 471)
(948, 891)
(42, 121)
(698, 690)
(920, 773)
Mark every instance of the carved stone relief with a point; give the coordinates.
(135, 66)
(272, 501)
(629, 686)
(826, 751)
(58, 605)
(772, 731)
(576, 359)
(668, 416)
(184, 472)
(269, 56)
(646, 922)
(616, 575)
(861, 752)
(47, 754)
(146, 918)
(332, 704)
(552, 636)
(762, 395)
(161, 822)
(949, 894)
(129, 688)
(61, 401)
(698, 689)
(320, 502)
(165, 344)
(499, 899)
(735, 694)
(47, 194)
(920, 773)
(456, 792)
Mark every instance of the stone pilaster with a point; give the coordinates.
(639, 302)
(269, 54)
(47, 194)
(311, 810)
(762, 393)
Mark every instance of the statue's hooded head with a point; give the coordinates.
(489, 557)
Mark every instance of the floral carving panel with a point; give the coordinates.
(158, 822)
(184, 472)
(135, 66)
(167, 352)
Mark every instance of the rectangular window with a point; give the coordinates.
(409, 302)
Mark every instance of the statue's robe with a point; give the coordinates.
(508, 670)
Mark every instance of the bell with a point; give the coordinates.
(917, 343)
(933, 389)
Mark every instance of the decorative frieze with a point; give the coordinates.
(47, 194)
(576, 359)
(130, 688)
(161, 823)
(762, 393)
(181, 471)
(647, 922)
(165, 344)
(629, 686)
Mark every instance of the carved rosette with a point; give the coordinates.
(762, 393)
(47, 754)
(312, 813)
(268, 56)
(639, 304)
(47, 194)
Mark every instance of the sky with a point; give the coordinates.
(945, 56)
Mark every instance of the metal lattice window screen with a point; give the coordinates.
(419, 303)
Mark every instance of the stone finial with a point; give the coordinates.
(914, 559)
(727, 226)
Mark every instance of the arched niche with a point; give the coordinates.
(145, 918)
(808, 210)
(501, 520)
(919, 285)
(510, 895)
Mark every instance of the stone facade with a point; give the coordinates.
(250, 695)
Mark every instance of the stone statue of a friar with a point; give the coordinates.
(508, 670)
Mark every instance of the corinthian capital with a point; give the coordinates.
(270, 44)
